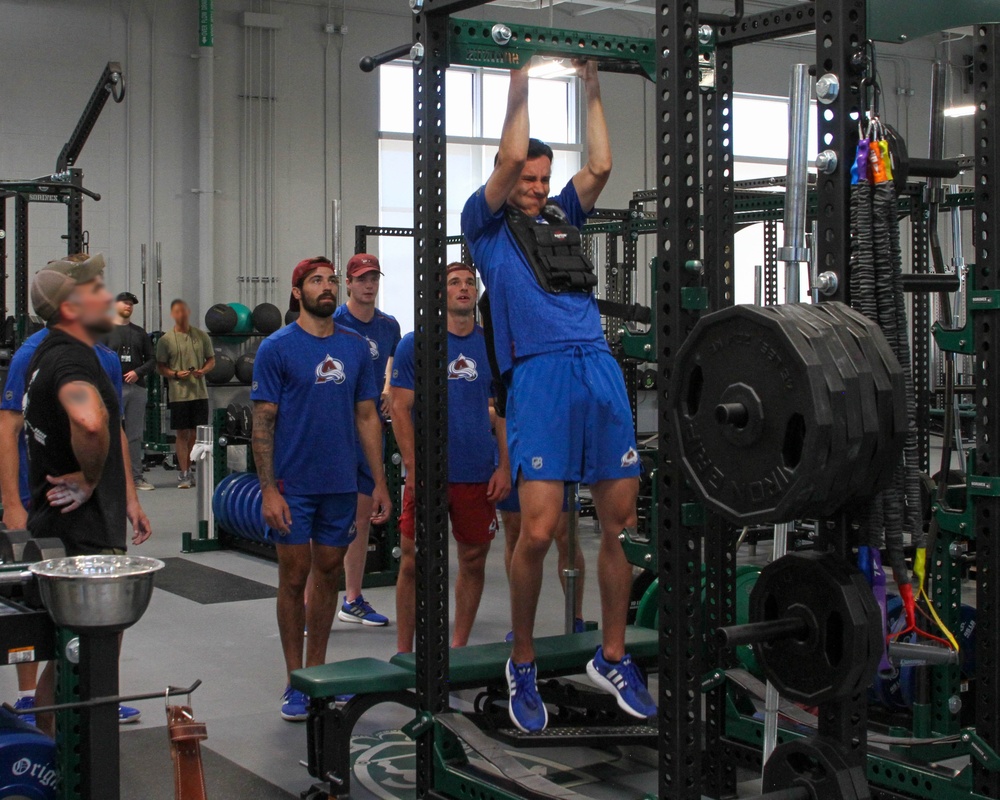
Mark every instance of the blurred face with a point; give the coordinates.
(90, 305)
(364, 288)
(318, 293)
(532, 189)
(181, 314)
(462, 292)
(124, 308)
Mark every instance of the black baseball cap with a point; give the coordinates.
(127, 297)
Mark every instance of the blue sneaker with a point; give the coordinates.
(526, 709)
(361, 611)
(509, 637)
(294, 705)
(624, 681)
(24, 704)
(578, 626)
(127, 715)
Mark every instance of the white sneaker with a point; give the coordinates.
(184, 481)
(143, 485)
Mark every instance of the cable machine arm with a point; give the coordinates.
(110, 84)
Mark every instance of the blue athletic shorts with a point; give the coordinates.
(568, 418)
(513, 502)
(326, 519)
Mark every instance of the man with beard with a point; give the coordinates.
(135, 354)
(310, 380)
(80, 491)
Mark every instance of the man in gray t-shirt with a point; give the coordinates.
(184, 356)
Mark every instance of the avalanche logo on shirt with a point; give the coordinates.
(330, 369)
(462, 368)
(373, 348)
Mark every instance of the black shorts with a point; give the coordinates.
(188, 414)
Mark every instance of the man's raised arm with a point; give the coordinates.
(593, 177)
(513, 143)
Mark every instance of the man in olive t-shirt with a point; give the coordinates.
(184, 356)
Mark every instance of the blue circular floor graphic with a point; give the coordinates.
(385, 764)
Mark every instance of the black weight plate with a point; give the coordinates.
(841, 651)
(232, 419)
(246, 421)
(866, 398)
(764, 470)
(859, 408)
(817, 764)
(830, 484)
(890, 390)
(12, 545)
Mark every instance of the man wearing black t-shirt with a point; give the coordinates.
(72, 419)
(72, 424)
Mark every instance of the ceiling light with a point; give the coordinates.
(550, 68)
(960, 111)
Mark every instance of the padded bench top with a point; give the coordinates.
(469, 666)
(353, 676)
(554, 655)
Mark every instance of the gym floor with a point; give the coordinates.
(233, 648)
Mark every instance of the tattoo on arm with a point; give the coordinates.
(264, 416)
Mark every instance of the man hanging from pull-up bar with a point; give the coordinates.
(568, 416)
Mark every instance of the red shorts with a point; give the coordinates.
(473, 517)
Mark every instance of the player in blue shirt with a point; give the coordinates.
(568, 417)
(382, 334)
(475, 484)
(314, 395)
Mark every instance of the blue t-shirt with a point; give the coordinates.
(13, 394)
(527, 320)
(470, 387)
(316, 383)
(382, 333)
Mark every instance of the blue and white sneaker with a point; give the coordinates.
(509, 638)
(526, 709)
(578, 625)
(294, 705)
(127, 715)
(361, 611)
(24, 704)
(624, 681)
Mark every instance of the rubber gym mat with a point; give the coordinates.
(207, 585)
(147, 772)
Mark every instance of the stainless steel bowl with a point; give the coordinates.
(96, 593)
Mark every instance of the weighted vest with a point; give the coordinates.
(554, 250)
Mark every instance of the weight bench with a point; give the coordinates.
(372, 682)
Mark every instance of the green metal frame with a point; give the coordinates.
(909, 777)
(888, 21)
(68, 739)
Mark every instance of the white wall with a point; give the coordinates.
(143, 155)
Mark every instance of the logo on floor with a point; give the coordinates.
(385, 763)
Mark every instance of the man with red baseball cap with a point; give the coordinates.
(314, 395)
(382, 333)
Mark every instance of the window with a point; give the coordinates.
(760, 149)
(477, 101)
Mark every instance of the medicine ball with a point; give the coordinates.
(223, 370)
(220, 318)
(267, 318)
(291, 316)
(244, 368)
(244, 318)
